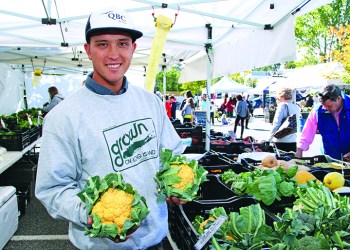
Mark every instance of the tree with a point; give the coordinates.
(172, 80)
(342, 54)
(312, 30)
(195, 87)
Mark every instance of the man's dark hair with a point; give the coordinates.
(329, 91)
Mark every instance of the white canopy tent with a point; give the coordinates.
(243, 34)
(311, 77)
(212, 37)
(227, 85)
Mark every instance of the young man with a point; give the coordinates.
(88, 135)
(331, 117)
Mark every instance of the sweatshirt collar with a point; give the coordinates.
(101, 90)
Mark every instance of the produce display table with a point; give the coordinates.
(11, 157)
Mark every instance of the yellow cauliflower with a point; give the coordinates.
(178, 177)
(186, 174)
(114, 207)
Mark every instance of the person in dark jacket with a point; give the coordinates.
(309, 101)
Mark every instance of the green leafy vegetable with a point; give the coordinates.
(178, 177)
(265, 185)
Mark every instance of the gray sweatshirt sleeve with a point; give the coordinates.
(58, 172)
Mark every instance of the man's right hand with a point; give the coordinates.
(299, 153)
(116, 239)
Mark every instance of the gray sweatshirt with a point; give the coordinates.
(90, 134)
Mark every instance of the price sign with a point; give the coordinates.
(200, 118)
(208, 233)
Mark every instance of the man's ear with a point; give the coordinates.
(87, 50)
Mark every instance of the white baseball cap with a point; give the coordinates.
(111, 19)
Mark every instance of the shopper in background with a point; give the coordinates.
(331, 117)
(309, 101)
(285, 107)
(250, 111)
(173, 106)
(88, 135)
(242, 112)
(230, 106)
(55, 98)
(187, 111)
(204, 102)
(212, 112)
(167, 106)
(188, 94)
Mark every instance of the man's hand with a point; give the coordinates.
(299, 153)
(346, 157)
(175, 200)
(116, 239)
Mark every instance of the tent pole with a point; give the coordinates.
(164, 78)
(208, 47)
(164, 82)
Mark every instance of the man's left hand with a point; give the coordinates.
(346, 157)
(175, 200)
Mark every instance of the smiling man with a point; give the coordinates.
(107, 126)
(331, 117)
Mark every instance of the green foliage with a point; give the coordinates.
(312, 29)
(172, 80)
(265, 185)
(195, 87)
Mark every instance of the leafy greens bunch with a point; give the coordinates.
(265, 185)
(114, 205)
(244, 229)
(200, 224)
(319, 220)
(178, 177)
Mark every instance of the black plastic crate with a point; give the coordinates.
(196, 133)
(286, 146)
(221, 148)
(239, 147)
(320, 174)
(181, 229)
(214, 190)
(251, 163)
(194, 150)
(22, 173)
(216, 163)
(15, 142)
(310, 161)
(34, 134)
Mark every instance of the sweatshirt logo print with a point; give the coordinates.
(131, 143)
